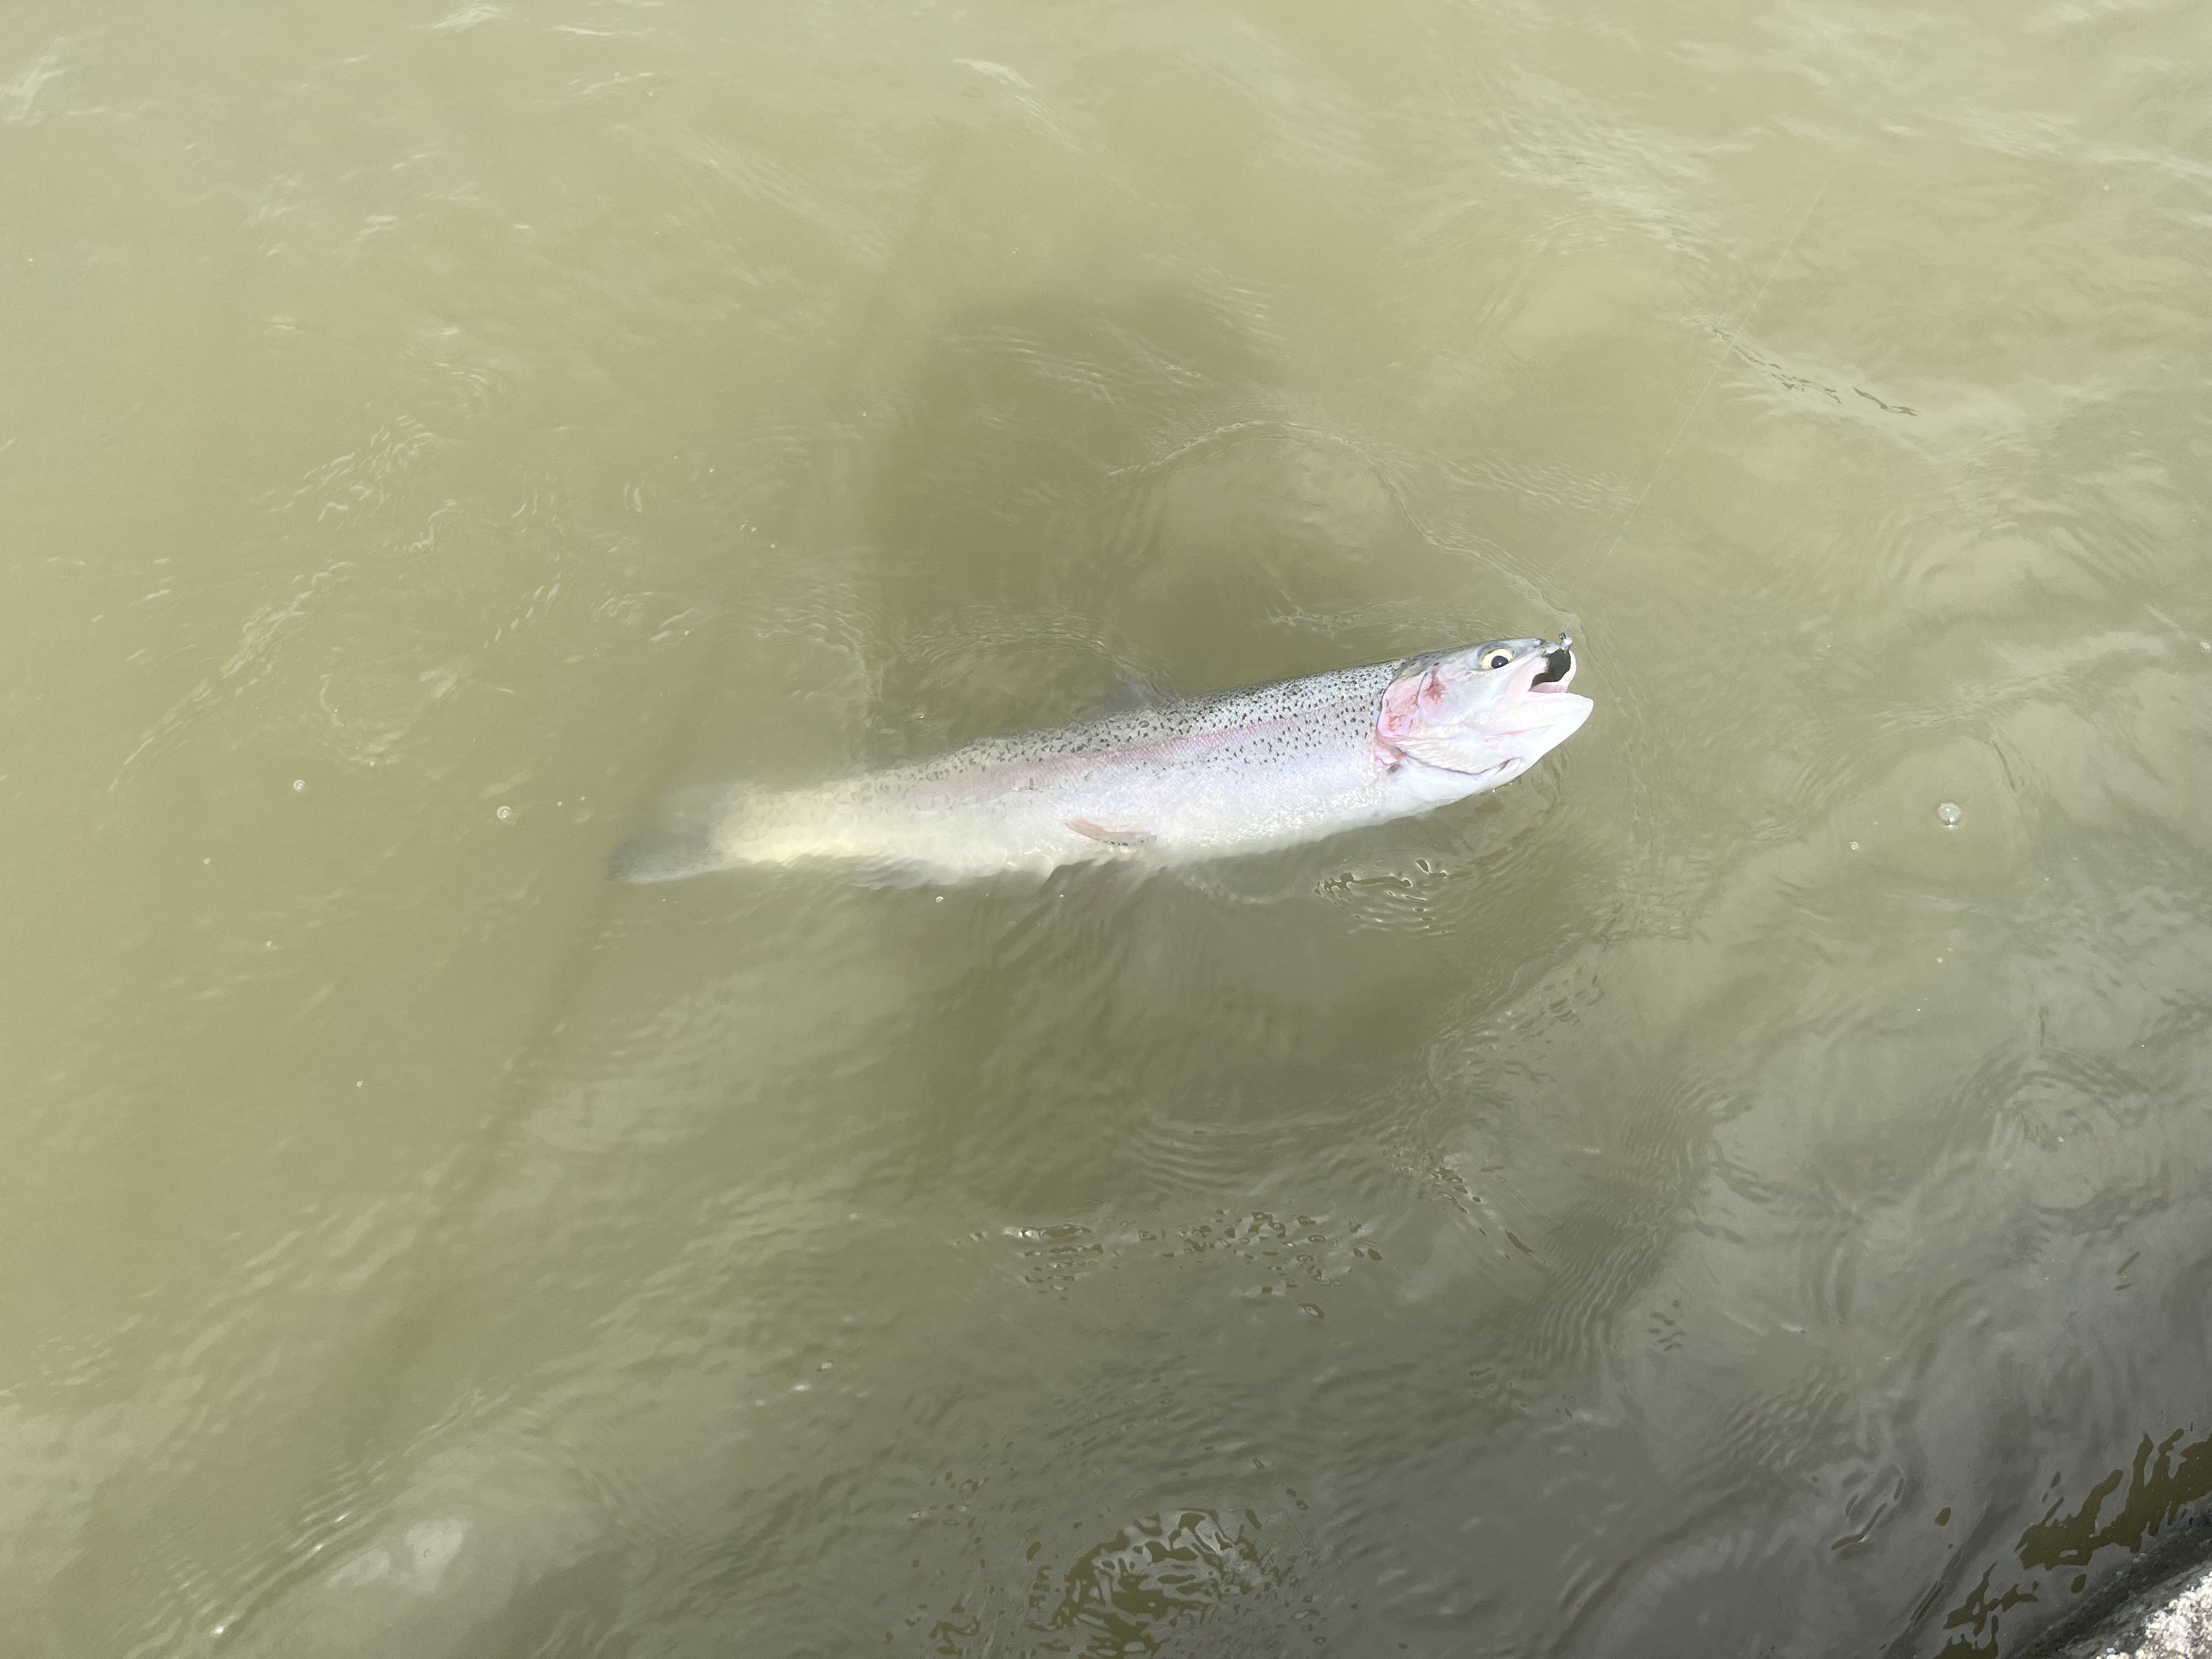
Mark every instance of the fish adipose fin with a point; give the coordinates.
(1112, 837)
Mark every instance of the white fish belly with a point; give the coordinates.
(1146, 812)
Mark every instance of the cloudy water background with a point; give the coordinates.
(1694, 1200)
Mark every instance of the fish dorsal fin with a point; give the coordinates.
(1128, 695)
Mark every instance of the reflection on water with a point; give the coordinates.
(1126, 1595)
(2162, 1488)
(2159, 1487)
(1702, 1197)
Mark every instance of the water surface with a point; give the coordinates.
(1693, 1199)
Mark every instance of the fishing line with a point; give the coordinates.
(1713, 374)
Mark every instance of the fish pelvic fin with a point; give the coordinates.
(1112, 837)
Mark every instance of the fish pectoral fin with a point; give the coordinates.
(1112, 837)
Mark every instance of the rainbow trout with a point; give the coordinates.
(1191, 778)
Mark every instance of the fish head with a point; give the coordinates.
(1491, 710)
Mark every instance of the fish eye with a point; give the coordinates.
(1497, 657)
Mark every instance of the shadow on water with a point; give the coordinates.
(775, 1124)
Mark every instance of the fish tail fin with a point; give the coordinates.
(695, 836)
(665, 855)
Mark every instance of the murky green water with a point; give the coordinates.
(1691, 1200)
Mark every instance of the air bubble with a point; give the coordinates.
(1950, 814)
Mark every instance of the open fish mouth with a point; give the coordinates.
(1557, 666)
